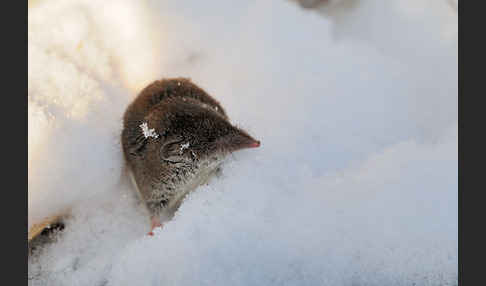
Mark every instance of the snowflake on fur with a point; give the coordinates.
(183, 147)
(148, 132)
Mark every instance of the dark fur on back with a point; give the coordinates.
(152, 95)
(194, 134)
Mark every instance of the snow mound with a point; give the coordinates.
(356, 179)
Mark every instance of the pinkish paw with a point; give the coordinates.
(151, 233)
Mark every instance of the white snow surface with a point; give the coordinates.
(355, 182)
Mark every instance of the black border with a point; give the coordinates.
(460, 114)
(470, 209)
(14, 144)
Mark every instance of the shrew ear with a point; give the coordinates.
(137, 146)
(174, 151)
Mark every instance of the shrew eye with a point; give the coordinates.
(176, 151)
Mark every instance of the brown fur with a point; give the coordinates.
(194, 135)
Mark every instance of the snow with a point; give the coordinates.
(184, 147)
(355, 182)
(148, 132)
